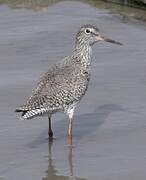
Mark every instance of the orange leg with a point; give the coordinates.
(70, 114)
(70, 127)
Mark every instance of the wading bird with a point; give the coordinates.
(64, 84)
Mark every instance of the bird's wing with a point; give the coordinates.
(55, 79)
(47, 95)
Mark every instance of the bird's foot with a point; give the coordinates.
(50, 136)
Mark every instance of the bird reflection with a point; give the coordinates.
(52, 173)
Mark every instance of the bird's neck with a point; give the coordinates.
(83, 54)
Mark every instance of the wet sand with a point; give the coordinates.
(110, 122)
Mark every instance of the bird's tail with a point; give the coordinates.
(24, 113)
(28, 114)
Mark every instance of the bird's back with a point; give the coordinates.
(61, 86)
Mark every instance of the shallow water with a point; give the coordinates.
(110, 124)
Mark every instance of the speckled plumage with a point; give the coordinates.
(63, 86)
(65, 83)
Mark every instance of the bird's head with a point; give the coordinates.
(89, 34)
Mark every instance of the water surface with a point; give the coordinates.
(110, 123)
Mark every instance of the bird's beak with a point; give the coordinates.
(102, 38)
(112, 41)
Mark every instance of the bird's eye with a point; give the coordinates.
(87, 31)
